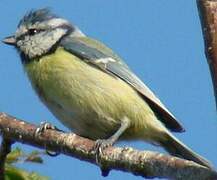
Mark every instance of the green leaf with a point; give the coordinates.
(14, 155)
(34, 157)
(14, 173)
(17, 155)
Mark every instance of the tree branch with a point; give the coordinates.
(208, 16)
(142, 163)
(5, 149)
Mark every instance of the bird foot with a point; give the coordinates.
(100, 145)
(43, 127)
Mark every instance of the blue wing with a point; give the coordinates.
(102, 57)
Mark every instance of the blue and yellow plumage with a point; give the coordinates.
(89, 88)
(92, 109)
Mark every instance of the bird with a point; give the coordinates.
(90, 89)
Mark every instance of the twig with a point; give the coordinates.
(5, 149)
(143, 163)
(208, 16)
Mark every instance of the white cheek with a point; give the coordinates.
(23, 45)
(41, 43)
(46, 40)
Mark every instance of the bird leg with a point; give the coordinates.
(101, 144)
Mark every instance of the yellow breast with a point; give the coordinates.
(86, 99)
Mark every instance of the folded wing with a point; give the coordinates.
(97, 54)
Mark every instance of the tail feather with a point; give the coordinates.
(177, 148)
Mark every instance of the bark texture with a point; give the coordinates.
(142, 163)
(208, 17)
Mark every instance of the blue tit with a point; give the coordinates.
(90, 89)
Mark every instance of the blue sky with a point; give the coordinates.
(160, 40)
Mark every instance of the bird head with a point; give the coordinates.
(39, 32)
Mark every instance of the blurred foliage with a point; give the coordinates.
(18, 156)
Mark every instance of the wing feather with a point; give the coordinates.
(104, 58)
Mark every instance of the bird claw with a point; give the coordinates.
(100, 145)
(51, 153)
(43, 127)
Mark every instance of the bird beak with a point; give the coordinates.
(10, 40)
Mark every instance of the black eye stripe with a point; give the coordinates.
(63, 26)
(30, 32)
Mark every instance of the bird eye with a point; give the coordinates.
(31, 32)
